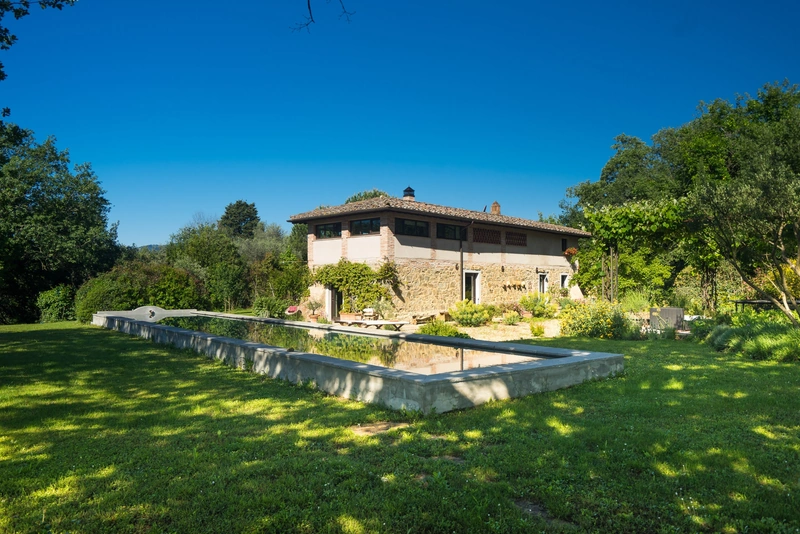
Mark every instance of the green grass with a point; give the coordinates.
(102, 432)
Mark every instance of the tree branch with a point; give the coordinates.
(346, 14)
(309, 20)
(310, 17)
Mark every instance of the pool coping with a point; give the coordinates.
(495, 346)
(394, 388)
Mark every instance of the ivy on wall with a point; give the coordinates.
(360, 285)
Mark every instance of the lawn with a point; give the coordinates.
(103, 432)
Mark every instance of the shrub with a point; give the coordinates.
(512, 307)
(467, 313)
(599, 319)
(537, 330)
(266, 306)
(720, 336)
(761, 336)
(635, 301)
(783, 346)
(441, 328)
(493, 310)
(538, 304)
(135, 284)
(57, 304)
(700, 328)
(511, 318)
(565, 303)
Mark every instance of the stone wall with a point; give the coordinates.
(433, 287)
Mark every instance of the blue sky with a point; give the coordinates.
(185, 107)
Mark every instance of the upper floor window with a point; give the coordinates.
(516, 239)
(365, 226)
(563, 245)
(451, 231)
(484, 235)
(411, 227)
(328, 230)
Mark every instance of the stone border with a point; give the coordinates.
(493, 346)
(393, 388)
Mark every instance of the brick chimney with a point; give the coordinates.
(408, 194)
(495, 208)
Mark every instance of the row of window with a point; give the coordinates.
(422, 229)
(361, 227)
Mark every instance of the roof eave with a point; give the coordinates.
(310, 216)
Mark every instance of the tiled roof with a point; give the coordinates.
(423, 208)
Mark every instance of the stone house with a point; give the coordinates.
(442, 254)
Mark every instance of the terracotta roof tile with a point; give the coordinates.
(413, 206)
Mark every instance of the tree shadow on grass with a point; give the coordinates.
(101, 431)
(104, 432)
(686, 437)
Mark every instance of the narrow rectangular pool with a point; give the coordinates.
(399, 370)
(412, 356)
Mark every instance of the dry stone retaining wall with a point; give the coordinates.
(431, 287)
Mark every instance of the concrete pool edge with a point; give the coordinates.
(396, 389)
(503, 346)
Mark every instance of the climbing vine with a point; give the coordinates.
(359, 284)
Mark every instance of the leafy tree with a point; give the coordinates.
(267, 239)
(735, 170)
(205, 245)
(240, 219)
(744, 158)
(365, 195)
(297, 242)
(637, 178)
(621, 256)
(211, 254)
(53, 223)
(283, 276)
(636, 172)
(227, 285)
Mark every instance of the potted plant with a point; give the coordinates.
(313, 306)
(348, 311)
(570, 254)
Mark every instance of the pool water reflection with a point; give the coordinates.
(414, 357)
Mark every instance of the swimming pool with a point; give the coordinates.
(426, 358)
(444, 387)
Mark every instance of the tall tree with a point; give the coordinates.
(744, 159)
(635, 182)
(297, 242)
(240, 219)
(267, 239)
(736, 171)
(211, 254)
(53, 222)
